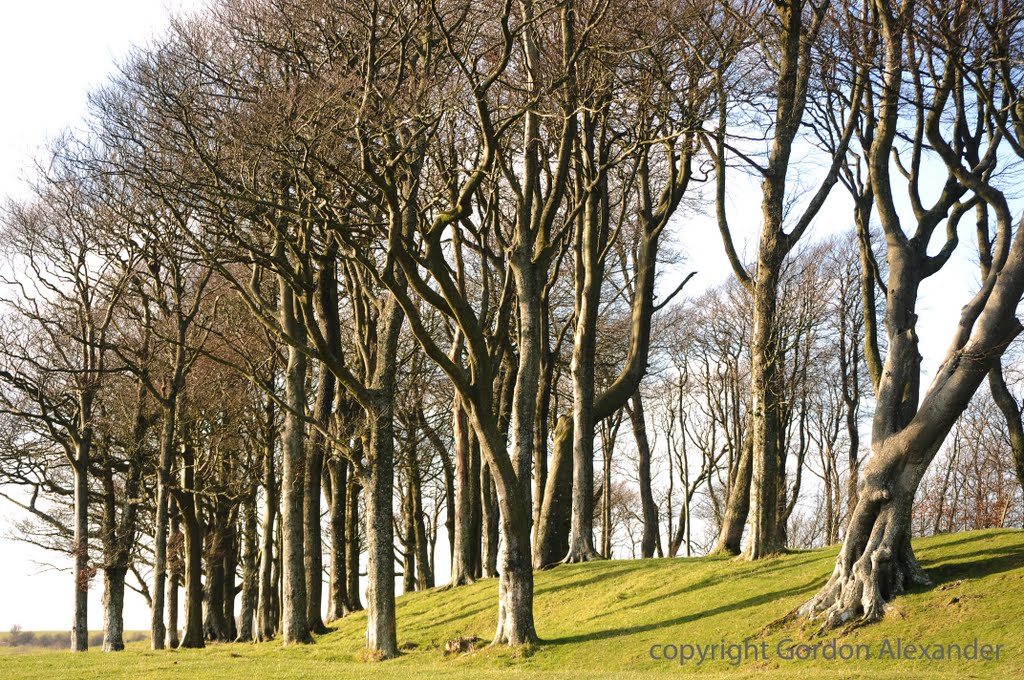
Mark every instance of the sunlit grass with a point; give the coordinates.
(601, 619)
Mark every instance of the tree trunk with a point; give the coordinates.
(488, 524)
(424, 572)
(551, 540)
(294, 624)
(408, 541)
(737, 505)
(354, 602)
(380, 538)
(250, 575)
(192, 635)
(175, 560)
(265, 608)
(80, 624)
(462, 564)
(214, 626)
(765, 389)
(876, 561)
(313, 551)
(651, 539)
(337, 586)
(113, 608)
(515, 584)
(157, 630)
(229, 566)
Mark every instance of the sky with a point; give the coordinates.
(54, 51)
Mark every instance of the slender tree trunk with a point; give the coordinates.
(186, 500)
(250, 574)
(408, 541)
(462, 564)
(424, 571)
(354, 602)
(266, 607)
(229, 566)
(337, 595)
(608, 446)
(175, 560)
(651, 539)
(313, 551)
(489, 523)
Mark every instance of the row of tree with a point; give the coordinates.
(379, 262)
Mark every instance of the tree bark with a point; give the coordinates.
(113, 609)
(185, 498)
(462, 565)
(266, 608)
(337, 585)
(354, 602)
(737, 506)
(381, 634)
(651, 540)
(294, 624)
(488, 524)
(250, 574)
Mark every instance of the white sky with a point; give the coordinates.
(53, 51)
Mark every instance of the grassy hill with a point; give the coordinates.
(601, 619)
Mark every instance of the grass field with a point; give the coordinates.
(601, 619)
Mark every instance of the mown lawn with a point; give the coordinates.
(601, 619)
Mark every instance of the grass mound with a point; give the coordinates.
(608, 619)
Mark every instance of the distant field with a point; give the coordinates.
(60, 639)
(601, 620)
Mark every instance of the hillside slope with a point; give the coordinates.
(602, 619)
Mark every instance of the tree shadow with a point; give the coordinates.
(987, 563)
(754, 601)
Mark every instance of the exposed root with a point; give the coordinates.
(856, 596)
(580, 554)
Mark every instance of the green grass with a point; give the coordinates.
(600, 620)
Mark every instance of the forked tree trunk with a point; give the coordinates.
(515, 568)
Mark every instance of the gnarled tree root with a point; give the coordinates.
(860, 593)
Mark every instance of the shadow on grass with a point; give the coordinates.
(987, 563)
(754, 601)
